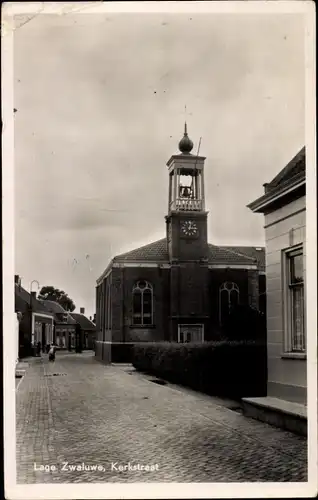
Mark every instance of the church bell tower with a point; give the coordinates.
(187, 246)
(187, 218)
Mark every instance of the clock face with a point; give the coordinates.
(189, 228)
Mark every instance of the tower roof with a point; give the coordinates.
(185, 145)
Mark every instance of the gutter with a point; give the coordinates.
(266, 200)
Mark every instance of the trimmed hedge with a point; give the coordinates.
(245, 323)
(227, 368)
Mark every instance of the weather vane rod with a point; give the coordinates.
(195, 165)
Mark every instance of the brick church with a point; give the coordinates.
(179, 288)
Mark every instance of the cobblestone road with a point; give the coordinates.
(106, 416)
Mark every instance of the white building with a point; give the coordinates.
(284, 207)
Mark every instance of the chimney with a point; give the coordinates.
(82, 310)
(265, 187)
(90, 318)
(33, 295)
(16, 279)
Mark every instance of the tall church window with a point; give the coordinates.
(142, 303)
(229, 297)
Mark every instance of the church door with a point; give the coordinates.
(190, 333)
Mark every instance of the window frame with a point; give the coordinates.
(287, 313)
(137, 289)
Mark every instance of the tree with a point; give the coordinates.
(56, 295)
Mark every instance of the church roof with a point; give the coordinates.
(237, 255)
(157, 251)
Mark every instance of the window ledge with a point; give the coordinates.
(143, 327)
(294, 355)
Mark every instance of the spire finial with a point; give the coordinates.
(185, 121)
(185, 145)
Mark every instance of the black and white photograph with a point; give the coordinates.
(160, 336)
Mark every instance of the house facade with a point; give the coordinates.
(87, 329)
(284, 207)
(36, 323)
(179, 288)
(65, 325)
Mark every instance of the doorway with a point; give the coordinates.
(191, 333)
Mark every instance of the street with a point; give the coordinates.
(82, 421)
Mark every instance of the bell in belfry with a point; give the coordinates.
(185, 191)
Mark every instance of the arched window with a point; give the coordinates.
(228, 298)
(142, 303)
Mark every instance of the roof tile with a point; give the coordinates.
(23, 301)
(57, 309)
(83, 321)
(295, 167)
(157, 251)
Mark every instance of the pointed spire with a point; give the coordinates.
(185, 145)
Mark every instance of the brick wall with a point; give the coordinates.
(117, 305)
(98, 329)
(106, 310)
(193, 289)
(253, 288)
(158, 278)
(216, 278)
(262, 293)
(184, 293)
(189, 298)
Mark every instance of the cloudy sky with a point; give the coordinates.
(100, 109)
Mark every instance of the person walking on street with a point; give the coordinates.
(52, 353)
(38, 349)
